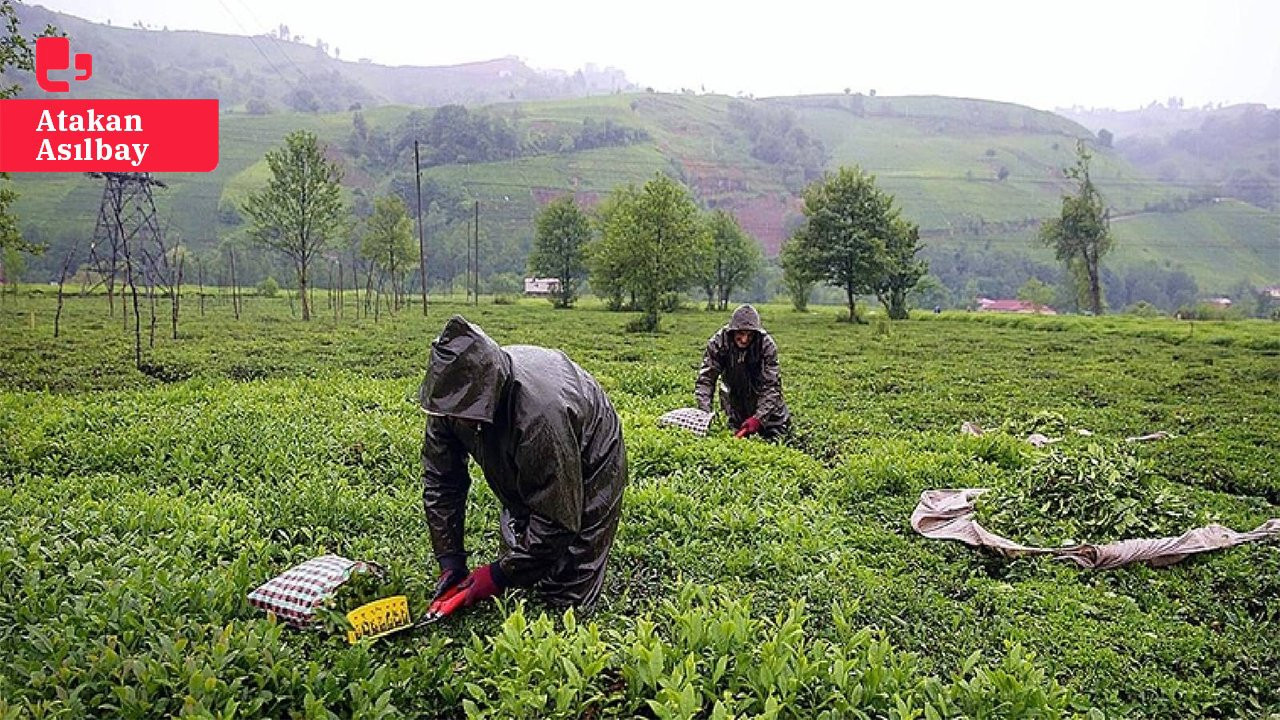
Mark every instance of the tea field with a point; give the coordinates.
(749, 579)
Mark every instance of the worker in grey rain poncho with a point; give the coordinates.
(550, 446)
(745, 360)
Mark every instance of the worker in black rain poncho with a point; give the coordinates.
(550, 446)
(745, 360)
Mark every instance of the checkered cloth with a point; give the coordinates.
(691, 419)
(295, 594)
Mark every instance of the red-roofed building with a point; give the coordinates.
(1013, 306)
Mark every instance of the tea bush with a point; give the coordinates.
(748, 579)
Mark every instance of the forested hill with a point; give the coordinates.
(279, 72)
(1233, 149)
(978, 176)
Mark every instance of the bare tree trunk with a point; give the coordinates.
(176, 295)
(337, 311)
(200, 273)
(355, 280)
(137, 313)
(111, 287)
(151, 302)
(127, 286)
(235, 293)
(1095, 289)
(853, 305)
(302, 291)
(62, 279)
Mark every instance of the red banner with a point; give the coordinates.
(108, 135)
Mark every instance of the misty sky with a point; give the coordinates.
(1115, 53)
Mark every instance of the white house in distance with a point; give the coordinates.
(541, 287)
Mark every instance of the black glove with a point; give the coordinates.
(450, 575)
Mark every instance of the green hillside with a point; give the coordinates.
(942, 158)
(1206, 240)
(977, 175)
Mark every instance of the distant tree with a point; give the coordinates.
(389, 243)
(268, 288)
(1081, 234)
(930, 292)
(605, 260)
(258, 106)
(1038, 293)
(561, 234)
(732, 261)
(301, 210)
(13, 266)
(848, 225)
(654, 237)
(797, 273)
(359, 136)
(901, 270)
(303, 100)
(1105, 138)
(1181, 289)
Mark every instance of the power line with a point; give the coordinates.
(275, 42)
(254, 42)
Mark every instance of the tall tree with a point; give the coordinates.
(606, 256)
(1081, 234)
(1036, 292)
(848, 226)
(389, 243)
(301, 210)
(797, 273)
(733, 259)
(561, 234)
(654, 237)
(15, 53)
(901, 270)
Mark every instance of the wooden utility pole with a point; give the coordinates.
(476, 227)
(422, 244)
(235, 293)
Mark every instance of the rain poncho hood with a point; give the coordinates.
(467, 374)
(745, 318)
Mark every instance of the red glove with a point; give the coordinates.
(483, 583)
(750, 426)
